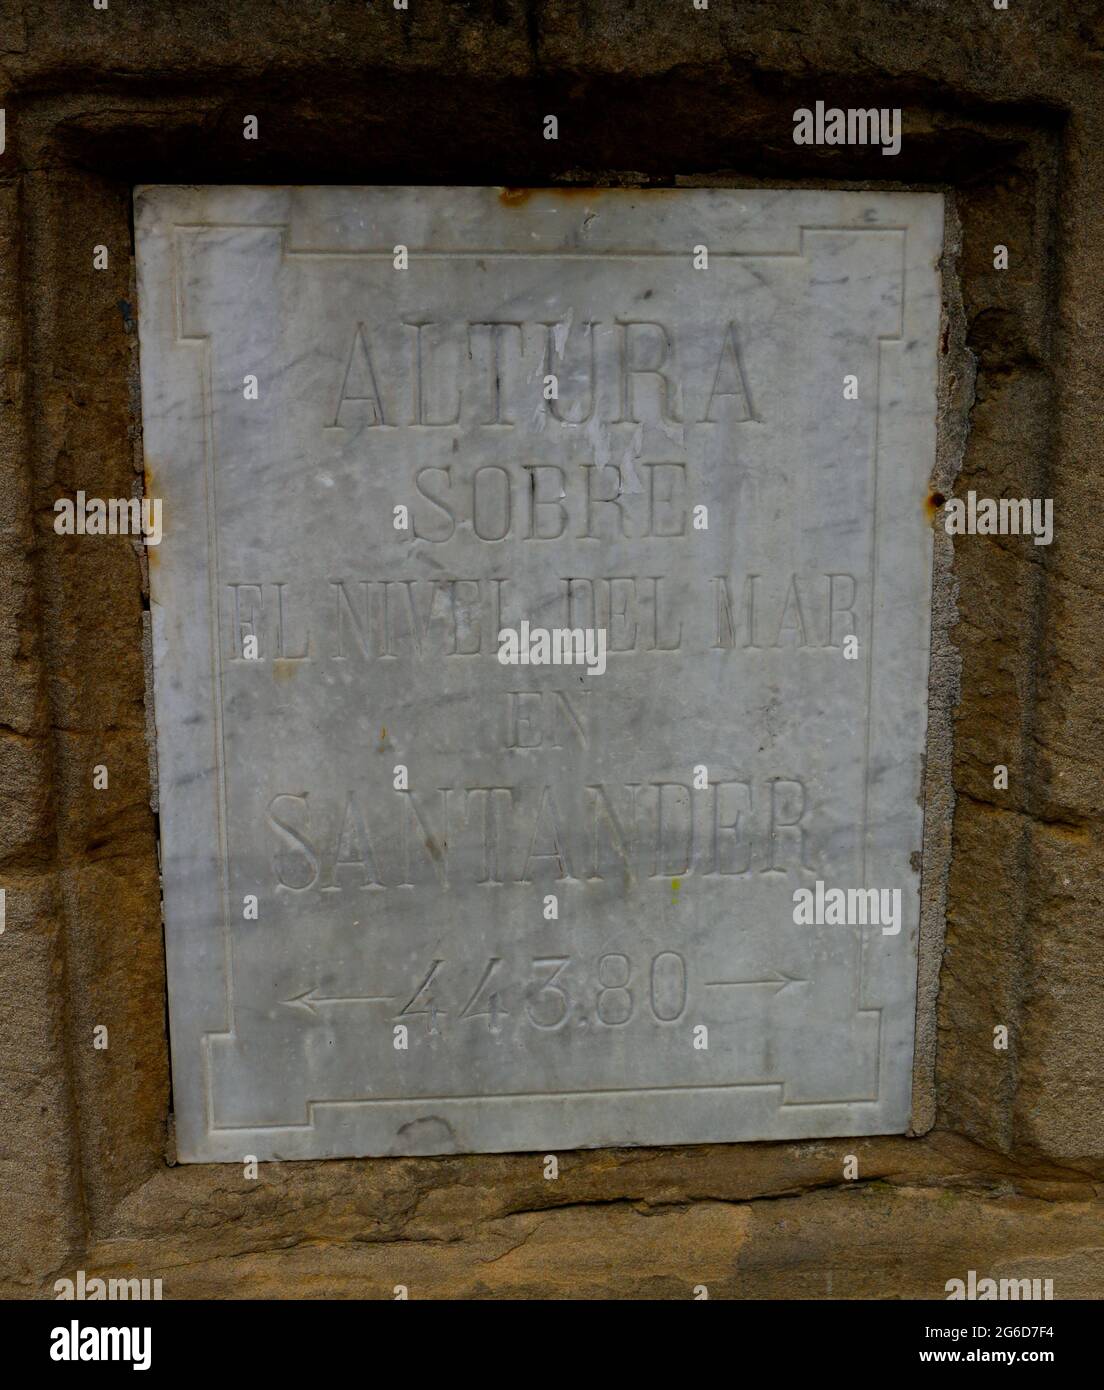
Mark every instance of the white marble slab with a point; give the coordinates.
(424, 909)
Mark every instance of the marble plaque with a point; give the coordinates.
(675, 447)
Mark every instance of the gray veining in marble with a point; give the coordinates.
(729, 754)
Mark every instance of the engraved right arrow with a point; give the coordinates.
(778, 982)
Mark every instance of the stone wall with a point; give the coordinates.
(1003, 114)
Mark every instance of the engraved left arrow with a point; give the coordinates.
(310, 999)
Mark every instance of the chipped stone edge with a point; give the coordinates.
(954, 395)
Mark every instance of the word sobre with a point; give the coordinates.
(848, 907)
(560, 646)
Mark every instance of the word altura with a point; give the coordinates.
(459, 375)
(1010, 516)
(118, 516)
(850, 127)
(558, 646)
(848, 907)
